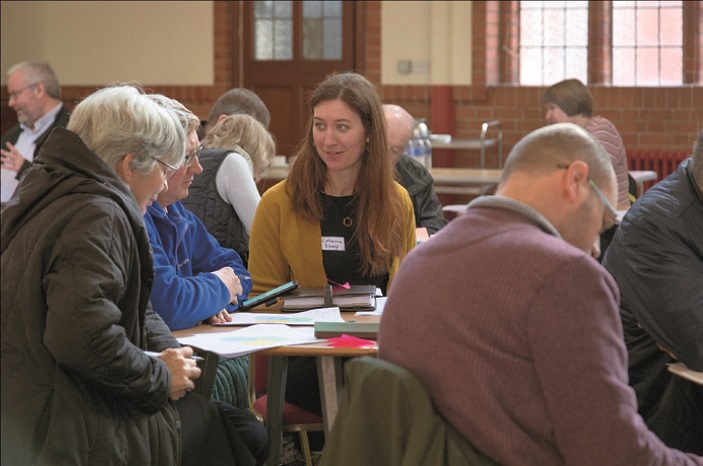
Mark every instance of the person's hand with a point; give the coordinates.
(183, 369)
(229, 278)
(221, 317)
(11, 159)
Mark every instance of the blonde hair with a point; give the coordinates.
(243, 132)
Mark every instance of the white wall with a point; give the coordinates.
(98, 43)
(435, 37)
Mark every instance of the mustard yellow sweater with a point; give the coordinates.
(283, 247)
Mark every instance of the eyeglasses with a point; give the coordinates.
(190, 158)
(169, 170)
(609, 207)
(15, 94)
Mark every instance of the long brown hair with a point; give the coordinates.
(377, 230)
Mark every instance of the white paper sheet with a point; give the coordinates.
(238, 342)
(325, 314)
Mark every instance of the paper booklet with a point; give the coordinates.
(354, 298)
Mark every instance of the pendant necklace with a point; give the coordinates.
(347, 221)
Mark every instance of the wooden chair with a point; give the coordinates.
(295, 419)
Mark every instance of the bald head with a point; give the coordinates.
(560, 171)
(399, 129)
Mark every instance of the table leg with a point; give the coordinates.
(329, 373)
(278, 371)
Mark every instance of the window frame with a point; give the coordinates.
(505, 68)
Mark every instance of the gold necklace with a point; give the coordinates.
(347, 221)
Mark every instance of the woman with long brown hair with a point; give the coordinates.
(339, 217)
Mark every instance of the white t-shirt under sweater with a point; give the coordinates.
(606, 133)
(236, 186)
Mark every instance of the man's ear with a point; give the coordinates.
(39, 89)
(576, 179)
(221, 117)
(123, 168)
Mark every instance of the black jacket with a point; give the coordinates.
(418, 181)
(218, 216)
(77, 270)
(656, 257)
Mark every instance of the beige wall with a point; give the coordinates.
(97, 43)
(434, 37)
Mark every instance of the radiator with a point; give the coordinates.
(662, 162)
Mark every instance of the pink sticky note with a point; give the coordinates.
(348, 341)
(346, 286)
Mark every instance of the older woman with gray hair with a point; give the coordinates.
(78, 387)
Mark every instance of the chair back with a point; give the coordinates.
(387, 417)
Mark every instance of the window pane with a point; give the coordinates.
(576, 64)
(283, 39)
(530, 36)
(554, 27)
(549, 32)
(576, 29)
(263, 47)
(651, 52)
(624, 66)
(333, 39)
(312, 9)
(263, 9)
(647, 27)
(554, 65)
(671, 59)
(647, 62)
(283, 9)
(531, 66)
(671, 30)
(624, 29)
(332, 9)
(312, 39)
(322, 30)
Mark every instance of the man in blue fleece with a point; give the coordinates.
(195, 278)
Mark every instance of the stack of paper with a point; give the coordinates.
(353, 298)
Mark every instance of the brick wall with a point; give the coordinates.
(648, 118)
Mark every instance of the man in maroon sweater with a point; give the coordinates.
(513, 326)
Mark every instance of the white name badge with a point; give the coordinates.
(333, 243)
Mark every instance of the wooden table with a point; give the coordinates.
(447, 180)
(465, 180)
(329, 370)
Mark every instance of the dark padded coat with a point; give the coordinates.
(76, 276)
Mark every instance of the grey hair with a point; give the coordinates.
(120, 120)
(36, 72)
(561, 143)
(189, 121)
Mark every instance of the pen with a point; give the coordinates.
(244, 277)
(154, 354)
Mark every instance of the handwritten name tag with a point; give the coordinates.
(332, 243)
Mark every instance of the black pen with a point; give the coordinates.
(244, 277)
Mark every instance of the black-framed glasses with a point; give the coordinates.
(169, 170)
(15, 94)
(604, 200)
(191, 157)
